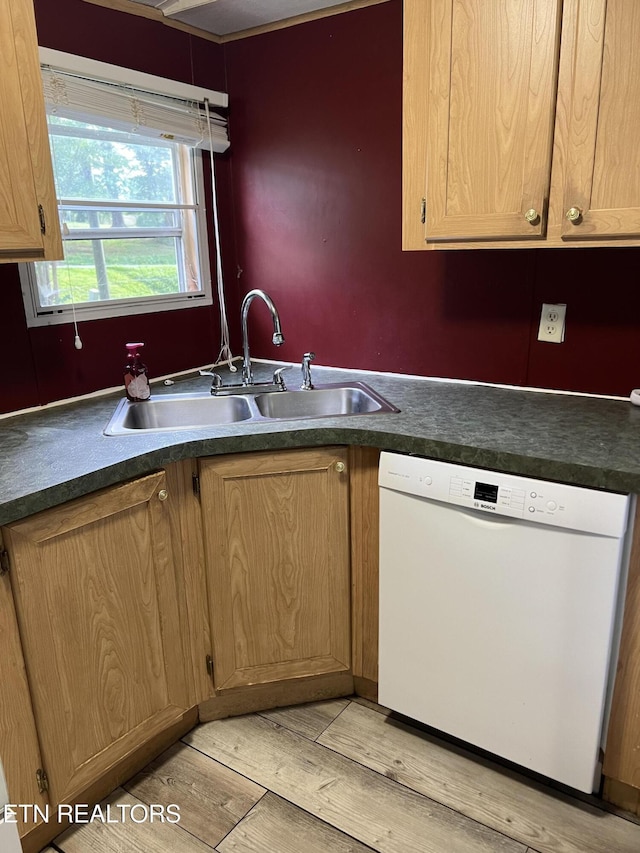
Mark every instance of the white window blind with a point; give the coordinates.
(129, 181)
(130, 107)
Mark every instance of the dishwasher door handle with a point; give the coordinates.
(484, 519)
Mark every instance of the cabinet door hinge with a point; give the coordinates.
(210, 666)
(195, 482)
(42, 780)
(5, 565)
(43, 221)
(423, 211)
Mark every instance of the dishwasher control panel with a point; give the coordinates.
(500, 494)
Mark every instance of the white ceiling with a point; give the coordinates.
(223, 17)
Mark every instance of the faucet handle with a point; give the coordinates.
(278, 379)
(216, 383)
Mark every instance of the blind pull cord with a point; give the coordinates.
(225, 353)
(77, 340)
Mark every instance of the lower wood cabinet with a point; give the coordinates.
(95, 596)
(113, 603)
(365, 544)
(19, 748)
(276, 538)
(622, 755)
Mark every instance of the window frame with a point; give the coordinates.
(37, 315)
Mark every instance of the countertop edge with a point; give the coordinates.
(316, 436)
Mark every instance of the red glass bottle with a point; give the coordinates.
(136, 380)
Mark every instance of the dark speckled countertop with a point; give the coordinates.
(58, 453)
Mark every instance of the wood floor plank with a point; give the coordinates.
(277, 826)
(128, 836)
(549, 821)
(309, 720)
(211, 797)
(361, 803)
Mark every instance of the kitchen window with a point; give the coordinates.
(129, 181)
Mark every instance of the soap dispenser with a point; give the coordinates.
(136, 380)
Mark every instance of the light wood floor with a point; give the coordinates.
(343, 776)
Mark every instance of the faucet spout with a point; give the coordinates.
(278, 337)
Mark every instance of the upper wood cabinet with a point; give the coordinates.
(602, 175)
(276, 531)
(29, 226)
(98, 611)
(492, 75)
(521, 120)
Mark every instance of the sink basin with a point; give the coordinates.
(177, 411)
(354, 398)
(170, 412)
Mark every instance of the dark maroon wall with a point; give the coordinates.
(316, 130)
(50, 368)
(601, 288)
(311, 195)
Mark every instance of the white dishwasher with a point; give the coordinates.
(499, 610)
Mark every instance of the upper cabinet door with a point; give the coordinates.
(19, 224)
(29, 228)
(492, 71)
(602, 179)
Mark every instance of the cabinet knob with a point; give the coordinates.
(532, 216)
(573, 214)
(163, 494)
(340, 466)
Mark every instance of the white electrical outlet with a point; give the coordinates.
(552, 323)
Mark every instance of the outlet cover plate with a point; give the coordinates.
(552, 317)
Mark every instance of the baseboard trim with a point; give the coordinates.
(262, 697)
(366, 688)
(621, 795)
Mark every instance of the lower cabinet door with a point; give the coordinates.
(95, 594)
(19, 749)
(276, 530)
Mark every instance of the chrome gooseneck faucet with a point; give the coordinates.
(278, 337)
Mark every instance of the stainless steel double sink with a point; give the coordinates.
(169, 412)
